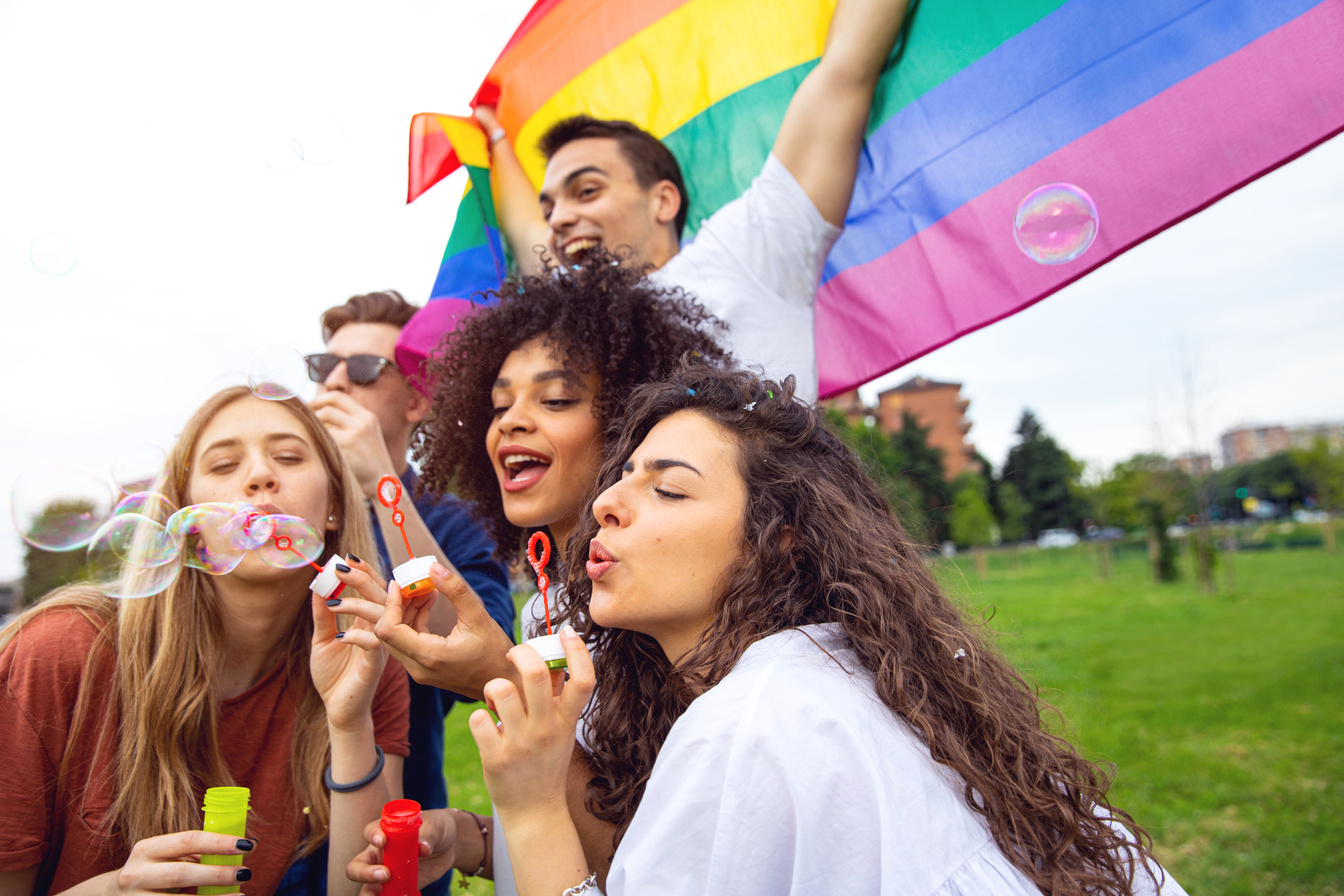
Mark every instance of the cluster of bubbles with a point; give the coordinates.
(1055, 223)
(137, 545)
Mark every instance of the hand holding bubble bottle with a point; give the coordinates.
(401, 856)
(413, 575)
(225, 811)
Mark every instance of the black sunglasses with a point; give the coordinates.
(361, 369)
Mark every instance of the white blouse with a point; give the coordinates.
(790, 776)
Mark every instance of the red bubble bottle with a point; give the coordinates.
(401, 823)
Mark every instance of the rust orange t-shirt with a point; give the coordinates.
(61, 828)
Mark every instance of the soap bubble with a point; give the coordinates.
(281, 153)
(204, 546)
(319, 137)
(137, 541)
(248, 529)
(138, 467)
(1055, 223)
(52, 254)
(276, 373)
(133, 556)
(149, 504)
(295, 542)
(58, 507)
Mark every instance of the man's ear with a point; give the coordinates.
(666, 199)
(418, 407)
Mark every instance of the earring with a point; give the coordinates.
(331, 519)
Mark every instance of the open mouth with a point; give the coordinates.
(578, 248)
(524, 469)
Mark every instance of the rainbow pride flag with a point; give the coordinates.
(1156, 108)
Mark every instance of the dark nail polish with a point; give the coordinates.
(243, 874)
(340, 635)
(341, 567)
(334, 602)
(353, 559)
(245, 845)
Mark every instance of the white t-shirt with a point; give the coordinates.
(756, 264)
(790, 776)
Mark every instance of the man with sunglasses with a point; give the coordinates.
(372, 412)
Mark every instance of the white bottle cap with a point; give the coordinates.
(326, 585)
(551, 650)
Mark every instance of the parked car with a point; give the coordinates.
(1056, 538)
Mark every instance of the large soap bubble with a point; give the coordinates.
(58, 507)
(52, 254)
(1056, 223)
(294, 542)
(248, 529)
(204, 546)
(137, 467)
(133, 556)
(277, 373)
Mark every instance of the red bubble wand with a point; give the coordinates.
(389, 493)
(539, 565)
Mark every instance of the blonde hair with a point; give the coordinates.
(168, 650)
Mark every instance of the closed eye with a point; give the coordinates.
(673, 496)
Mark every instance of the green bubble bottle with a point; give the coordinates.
(225, 810)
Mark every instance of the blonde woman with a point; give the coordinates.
(118, 714)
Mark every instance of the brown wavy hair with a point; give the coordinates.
(167, 649)
(603, 316)
(822, 546)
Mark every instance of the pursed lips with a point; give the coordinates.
(600, 560)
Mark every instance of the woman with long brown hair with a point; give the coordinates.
(118, 714)
(785, 702)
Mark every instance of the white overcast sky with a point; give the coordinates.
(140, 132)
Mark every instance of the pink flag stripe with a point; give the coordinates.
(1147, 169)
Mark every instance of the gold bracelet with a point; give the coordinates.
(485, 846)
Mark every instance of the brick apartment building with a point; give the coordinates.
(1247, 443)
(938, 406)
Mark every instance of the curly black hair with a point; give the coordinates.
(603, 316)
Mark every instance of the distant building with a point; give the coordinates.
(1247, 443)
(938, 406)
(1305, 436)
(849, 404)
(1194, 464)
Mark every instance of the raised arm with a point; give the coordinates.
(823, 128)
(516, 201)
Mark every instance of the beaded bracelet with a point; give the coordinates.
(485, 852)
(362, 782)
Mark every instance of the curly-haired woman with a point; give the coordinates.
(786, 703)
(525, 393)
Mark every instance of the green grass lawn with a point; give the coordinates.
(1222, 714)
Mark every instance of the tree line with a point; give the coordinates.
(1040, 486)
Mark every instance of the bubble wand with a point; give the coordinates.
(548, 645)
(539, 567)
(413, 575)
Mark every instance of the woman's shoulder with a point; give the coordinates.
(56, 636)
